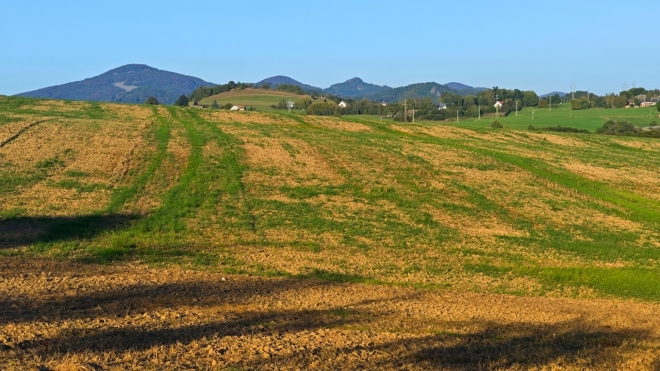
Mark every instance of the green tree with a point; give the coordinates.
(265, 86)
(620, 101)
(151, 100)
(182, 101)
(215, 104)
(543, 103)
(530, 99)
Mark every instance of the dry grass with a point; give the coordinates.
(302, 166)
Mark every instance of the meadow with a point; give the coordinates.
(590, 119)
(483, 218)
(257, 98)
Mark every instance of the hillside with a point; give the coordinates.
(133, 236)
(355, 88)
(279, 80)
(257, 98)
(131, 83)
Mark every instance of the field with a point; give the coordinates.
(162, 238)
(590, 119)
(257, 98)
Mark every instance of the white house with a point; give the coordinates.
(342, 104)
(442, 106)
(237, 108)
(498, 104)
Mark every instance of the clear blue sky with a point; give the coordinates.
(543, 46)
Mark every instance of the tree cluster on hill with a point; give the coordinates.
(561, 129)
(585, 100)
(322, 109)
(182, 101)
(624, 128)
(295, 89)
(152, 101)
(207, 91)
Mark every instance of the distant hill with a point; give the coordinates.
(131, 83)
(464, 89)
(279, 80)
(561, 94)
(355, 88)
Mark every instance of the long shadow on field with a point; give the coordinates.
(25, 231)
(496, 346)
(112, 310)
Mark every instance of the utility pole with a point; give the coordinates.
(480, 112)
(625, 86)
(405, 110)
(516, 108)
(289, 105)
(414, 103)
(572, 91)
(532, 115)
(551, 103)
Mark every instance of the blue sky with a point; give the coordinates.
(542, 46)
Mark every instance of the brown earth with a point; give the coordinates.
(65, 316)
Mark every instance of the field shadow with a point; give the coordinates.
(496, 346)
(25, 231)
(491, 346)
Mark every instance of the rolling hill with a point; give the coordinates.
(356, 88)
(131, 83)
(257, 98)
(147, 237)
(279, 80)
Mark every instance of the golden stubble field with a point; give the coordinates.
(267, 241)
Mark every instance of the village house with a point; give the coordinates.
(442, 106)
(342, 104)
(498, 104)
(238, 108)
(649, 103)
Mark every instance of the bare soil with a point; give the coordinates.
(65, 316)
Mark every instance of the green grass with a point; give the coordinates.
(590, 119)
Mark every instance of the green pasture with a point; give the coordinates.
(260, 102)
(590, 119)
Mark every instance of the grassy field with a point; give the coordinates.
(423, 205)
(590, 119)
(257, 98)
(465, 210)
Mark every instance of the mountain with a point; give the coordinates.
(561, 94)
(279, 80)
(464, 89)
(355, 88)
(131, 83)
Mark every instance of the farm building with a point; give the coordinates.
(442, 106)
(342, 104)
(238, 108)
(498, 104)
